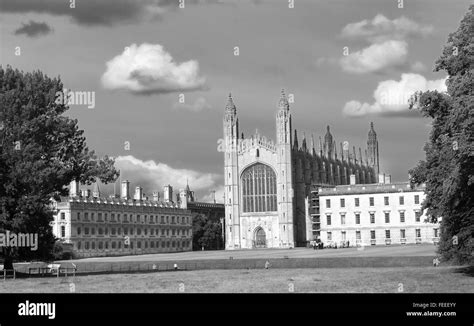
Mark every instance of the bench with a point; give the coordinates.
(6, 271)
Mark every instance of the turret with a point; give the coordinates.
(373, 149)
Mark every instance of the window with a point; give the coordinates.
(328, 217)
(92, 219)
(402, 234)
(418, 233)
(356, 202)
(93, 232)
(172, 219)
(259, 189)
(343, 235)
(387, 234)
(417, 199)
(125, 231)
(63, 231)
(372, 218)
(343, 219)
(329, 236)
(79, 245)
(358, 237)
(63, 216)
(436, 233)
(372, 234)
(87, 245)
(78, 216)
(417, 216)
(93, 245)
(343, 202)
(371, 201)
(139, 244)
(101, 231)
(357, 218)
(402, 200)
(385, 200)
(105, 217)
(78, 231)
(402, 217)
(86, 231)
(387, 217)
(162, 220)
(101, 246)
(99, 217)
(328, 203)
(86, 216)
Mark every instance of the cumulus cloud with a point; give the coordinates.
(153, 176)
(149, 69)
(391, 96)
(376, 57)
(200, 104)
(33, 29)
(380, 28)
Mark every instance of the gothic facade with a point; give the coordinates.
(268, 183)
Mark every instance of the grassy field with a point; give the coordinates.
(357, 280)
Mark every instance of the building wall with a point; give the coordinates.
(348, 224)
(150, 228)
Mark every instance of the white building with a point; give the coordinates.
(371, 214)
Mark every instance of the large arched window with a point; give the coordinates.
(259, 189)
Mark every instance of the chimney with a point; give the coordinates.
(86, 193)
(156, 196)
(168, 194)
(353, 179)
(138, 193)
(388, 179)
(74, 189)
(125, 194)
(381, 178)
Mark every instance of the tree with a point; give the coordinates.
(448, 169)
(206, 233)
(41, 152)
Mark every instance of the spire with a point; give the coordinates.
(295, 145)
(366, 159)
(328, 143)
(230, 106)
(283, 102)
(320, 147)
(335, 150)
(360, 156)
(354, 154)
(342, 152)
(303, 145)
(313, 151)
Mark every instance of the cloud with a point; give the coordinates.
(391, 96)
(380, 29)
(153, 176)
(198, 105)
(103, 12)
(33, 29)
(376, 57)
(149, 69)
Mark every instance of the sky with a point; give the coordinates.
(157, 74)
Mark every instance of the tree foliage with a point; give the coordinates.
(41, 152)
(206, 233)
(448, 169)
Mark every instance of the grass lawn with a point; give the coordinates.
(358, 280)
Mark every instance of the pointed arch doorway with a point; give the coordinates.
(260, 238)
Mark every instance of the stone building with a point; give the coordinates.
(267, 183)
(372, 214)
(100, 226)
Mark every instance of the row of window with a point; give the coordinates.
(387, 234)
(372, 217)
(386, 199)
(131, 231)
(138, 244)
(132, 219)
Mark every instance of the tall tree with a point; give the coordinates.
(206, 233)
(448, 170)
(41, 152)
